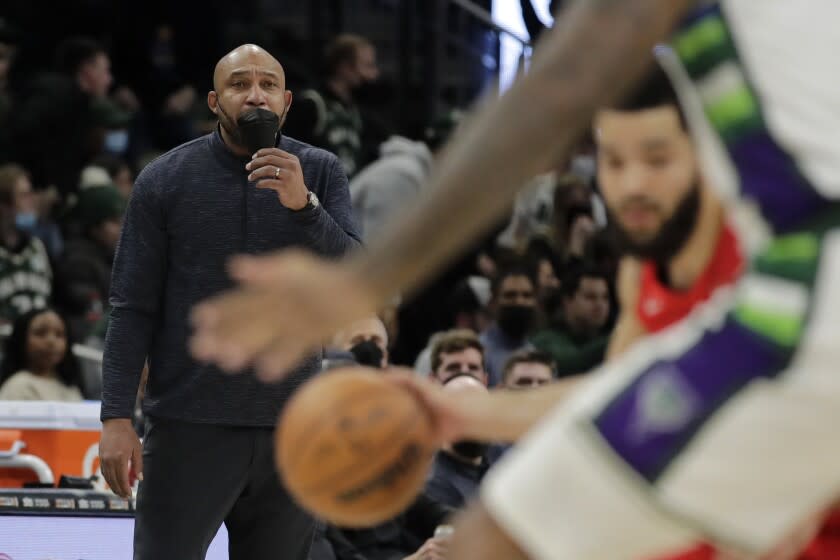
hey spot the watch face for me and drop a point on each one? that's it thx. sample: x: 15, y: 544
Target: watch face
x: 313, y: 199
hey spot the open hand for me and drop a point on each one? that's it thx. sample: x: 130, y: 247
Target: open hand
x: 287, y: 304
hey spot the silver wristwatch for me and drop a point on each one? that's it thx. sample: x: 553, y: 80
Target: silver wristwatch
x: 312, y: 201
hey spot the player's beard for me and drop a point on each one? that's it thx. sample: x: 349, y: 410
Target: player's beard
x: 671, y: 237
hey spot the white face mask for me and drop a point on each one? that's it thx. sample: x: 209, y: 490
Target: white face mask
x: 116, y: 141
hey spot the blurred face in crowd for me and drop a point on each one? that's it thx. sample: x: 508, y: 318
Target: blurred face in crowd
x: 365, y: 69
x: 365, y: 338
x: 525, y: 375
x: 247, y: 78
x: 588, y: 309
x: 7, y: 51
x: 516, y: 306
x: 469, y: 361
x: 46, y: 342
x: 649, y: 178
x: 124, y: 180
x: 108, y: 234
x: 94, y: 76
x: 24, y: 196
x: 546, y: 278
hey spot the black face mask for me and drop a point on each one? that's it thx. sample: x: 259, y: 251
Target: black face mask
x: 257, y: 129
x: 469, y: 449
x: 368, y: 353
x: 516, y: 320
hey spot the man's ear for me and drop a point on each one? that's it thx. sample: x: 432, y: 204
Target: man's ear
x: 213, y: 102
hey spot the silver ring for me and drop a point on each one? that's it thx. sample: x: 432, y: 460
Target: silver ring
x: 277, y: 173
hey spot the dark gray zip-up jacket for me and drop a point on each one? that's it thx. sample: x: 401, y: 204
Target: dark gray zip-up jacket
x: 192, y: 209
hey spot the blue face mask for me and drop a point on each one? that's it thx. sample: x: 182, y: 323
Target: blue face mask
x: 116, y: 141
x: 26, y: 221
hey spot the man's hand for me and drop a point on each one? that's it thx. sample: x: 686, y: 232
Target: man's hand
x: 448, y: 412
x: 432, y: 549
x: 279, y: 171
x: 288, y: 304
x: 120, y: 455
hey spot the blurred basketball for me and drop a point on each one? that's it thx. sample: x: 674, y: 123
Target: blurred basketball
x: 353, y: 448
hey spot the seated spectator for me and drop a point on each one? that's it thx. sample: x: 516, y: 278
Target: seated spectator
x: 119, y: 172
x: 364, y: 342
x: 574, y: 217
x: 576, y: 338
x: 382, y: 189
x: 528, y: 368
x: 84, y: 271
x: 458, y: 352
x: 467, y: 306
x: 33, y: 210
x: 459, y: 466
x: 68, y: 115
x: 514, y: 306
x: 25, y: 275
x: 38, y: 363
x: 329, y: 116
x: 400, y: 538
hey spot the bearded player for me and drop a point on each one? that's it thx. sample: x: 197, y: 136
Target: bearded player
x: 722, y: 427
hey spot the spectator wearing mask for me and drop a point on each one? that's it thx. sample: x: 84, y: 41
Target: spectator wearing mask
x: 576, y: 338
x: 329, y: 117
x: 364, y: 343
x: 68, y: 115
x: 191, y: 210
x: 34, y: 209
x: 458, y: 352
x: 84, y: 271
x: 38, y: 362
x: 459, y: 466
x: 514, y: 306
x: 25, y: 274
x: 527, y: 369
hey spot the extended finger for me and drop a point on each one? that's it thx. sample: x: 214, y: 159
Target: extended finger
x: 276, y: 161
x: 279, y: 357
x: 268, y: 270
x: 108, y: 473
x: 248, y: 320
x: 273, y: 152
x: 269, y: 172
x: 119, y: 476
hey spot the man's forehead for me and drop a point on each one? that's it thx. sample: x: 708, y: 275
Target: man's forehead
x: 466, y: 353
x: 247, y: 59
x: 657, y: 124
x: 531, y: 368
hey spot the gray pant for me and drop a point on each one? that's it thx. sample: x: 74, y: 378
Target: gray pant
x: 197, y: 477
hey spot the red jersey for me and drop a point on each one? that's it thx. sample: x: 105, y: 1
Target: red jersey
x: 659, y: 306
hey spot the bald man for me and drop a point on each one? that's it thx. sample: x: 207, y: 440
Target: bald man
x: 206, y: 456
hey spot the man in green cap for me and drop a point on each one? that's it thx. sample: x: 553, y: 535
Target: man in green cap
x: 84, y: 270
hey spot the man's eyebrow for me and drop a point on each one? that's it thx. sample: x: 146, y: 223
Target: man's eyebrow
x: 269, y: 73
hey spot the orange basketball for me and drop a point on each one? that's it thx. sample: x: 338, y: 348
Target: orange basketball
x: 353, y: 448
